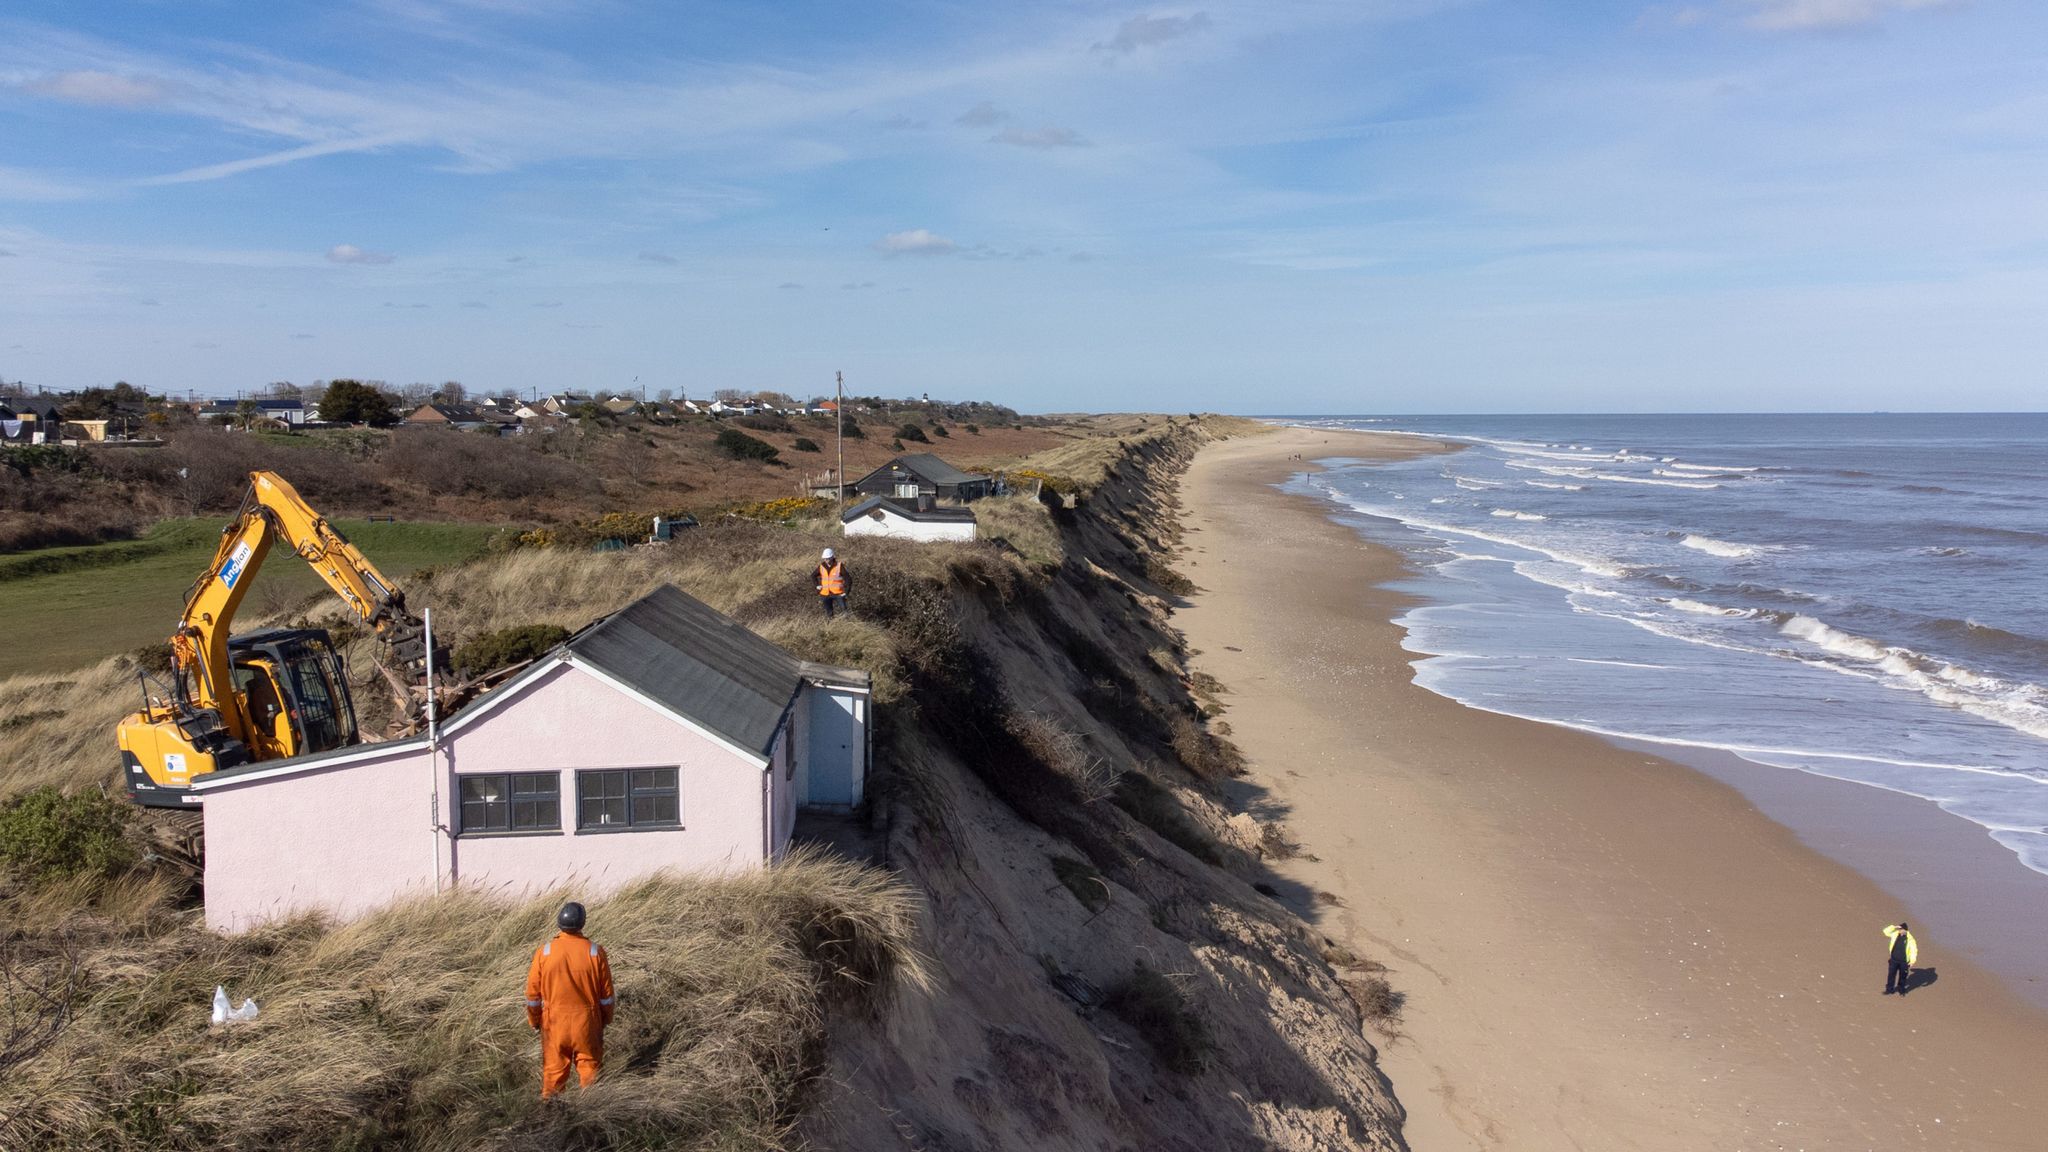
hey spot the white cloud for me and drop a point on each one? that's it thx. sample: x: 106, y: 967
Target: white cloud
x: 1039, y: 138
x: 1824, y: 15
x: 916, y: 242
x: 272, y: 160
x: 350, y: 254
x: 1143, y: 31
x: 982, y: 115
x: 105, y: 89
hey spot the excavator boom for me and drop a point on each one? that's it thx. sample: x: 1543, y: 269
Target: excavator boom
x: 281, y: 693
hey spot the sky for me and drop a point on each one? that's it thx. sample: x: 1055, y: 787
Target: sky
x: 1323, y: 206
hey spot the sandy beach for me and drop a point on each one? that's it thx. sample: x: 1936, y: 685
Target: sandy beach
x: 1600, y: 948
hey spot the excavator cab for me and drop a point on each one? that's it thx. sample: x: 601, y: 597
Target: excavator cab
x: 294, y: 689
x: 292, y: 686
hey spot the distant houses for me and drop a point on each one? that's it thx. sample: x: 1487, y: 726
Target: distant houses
x: 288, y: 411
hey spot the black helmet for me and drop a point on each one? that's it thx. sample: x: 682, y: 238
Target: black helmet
x: 570, y: 918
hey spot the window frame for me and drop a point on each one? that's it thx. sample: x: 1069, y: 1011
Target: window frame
x: 673, y: 790
x: 513, y: 796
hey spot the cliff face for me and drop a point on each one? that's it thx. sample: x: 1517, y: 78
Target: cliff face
x: 1108, y: 976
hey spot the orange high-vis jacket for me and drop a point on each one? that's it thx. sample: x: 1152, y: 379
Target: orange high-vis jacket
x: 831, y: 579
x: 569, y: 998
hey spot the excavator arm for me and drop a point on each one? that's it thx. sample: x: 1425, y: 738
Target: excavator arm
x: 274, y: 512
x: 280, y: 692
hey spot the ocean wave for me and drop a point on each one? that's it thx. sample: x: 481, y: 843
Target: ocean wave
x: 1471, y: 485
x: 2018, y: 705
x: 1556, y: 487
x: 1712, y: 467
x: 1699, y: 609
x: 1511, y: 514
x: 1648, y: 480
x: 1722, y: 548
x: 1946, y: 551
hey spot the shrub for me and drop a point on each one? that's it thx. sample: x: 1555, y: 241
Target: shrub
x: 740, y: 446
x: 1065, y: 752
x: 1376, y: 999
x: 46, y: 835
x: 494, y: 650
x: 851, y: 430
x: 1083, y: 881
x: 913, y: 433
x: 1204, y: 753
x: 806, y: 444
x: 478, y: 465
x: 940, y: 430
x: 354, y: 402
x: 1150, y: 1003
x: 974, y: 429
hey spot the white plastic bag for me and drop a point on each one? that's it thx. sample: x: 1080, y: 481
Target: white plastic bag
x: 220, y: 1004
x: 244, y: 1014
x: 222, y: 1014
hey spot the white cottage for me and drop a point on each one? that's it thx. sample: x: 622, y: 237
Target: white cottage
x: 882, y: 516
x: 663, y: 736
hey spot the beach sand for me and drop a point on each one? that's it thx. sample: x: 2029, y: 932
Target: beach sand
x: 1600, y: 948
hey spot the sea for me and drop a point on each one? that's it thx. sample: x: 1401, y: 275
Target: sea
x: 1863, y: 597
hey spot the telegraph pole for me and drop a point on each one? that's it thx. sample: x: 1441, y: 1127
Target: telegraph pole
x: 839, y: 426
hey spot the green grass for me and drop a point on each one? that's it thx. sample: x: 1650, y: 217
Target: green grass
x: 68, y: 607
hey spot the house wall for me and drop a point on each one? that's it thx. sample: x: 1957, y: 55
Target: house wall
x: 353, y: 837
x: 569, y: 719
x: 904, y: 528
x: 344, y: 840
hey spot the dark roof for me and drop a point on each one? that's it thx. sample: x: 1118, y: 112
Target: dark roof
x: 909, y: 512
x: 928, y: 467
x: 696, y: 661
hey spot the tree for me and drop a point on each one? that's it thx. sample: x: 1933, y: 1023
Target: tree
x: 414, y: 395
x: 914, y: 433
x: 451, y: 392
x: 247, y: 414
x: 284, y: 390
x: 354, y: 402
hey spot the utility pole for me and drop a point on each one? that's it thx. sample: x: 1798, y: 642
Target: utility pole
x: 839, y: 426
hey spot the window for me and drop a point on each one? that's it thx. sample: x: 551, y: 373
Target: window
x: 515, y: 802
x: 906, y: 490
x: 628, y: 798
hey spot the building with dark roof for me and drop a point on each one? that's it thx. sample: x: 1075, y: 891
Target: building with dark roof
x: 887, y: 516
x: 921, y: 474
x: 663, y: 736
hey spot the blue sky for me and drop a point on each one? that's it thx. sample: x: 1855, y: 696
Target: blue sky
x: 1406, y: 205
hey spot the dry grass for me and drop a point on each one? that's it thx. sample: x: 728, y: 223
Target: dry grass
x: 1063, y: 750
x: 1025, y: 525
x: 406, y: 1028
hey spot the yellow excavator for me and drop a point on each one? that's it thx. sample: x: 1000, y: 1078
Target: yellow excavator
x: 271, y: 694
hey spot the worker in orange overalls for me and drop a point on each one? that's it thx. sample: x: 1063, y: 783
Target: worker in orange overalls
x: 831, y: 582
x: 569, y: 999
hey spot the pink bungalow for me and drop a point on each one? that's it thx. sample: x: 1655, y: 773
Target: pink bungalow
x: 663, y: 736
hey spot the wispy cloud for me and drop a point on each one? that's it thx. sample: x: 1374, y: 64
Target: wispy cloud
x: 982, y: 115
x: 1143, y: 31
x: 16, y: 184
x: 104, y: 89
x: 273, y: 159
x: 1048, y: 137
x: 350, y: 254
x: 915, y: 242
x: 1829, y: 15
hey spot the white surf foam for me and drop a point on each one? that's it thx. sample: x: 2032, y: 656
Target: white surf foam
x: 1648, y: 480
x: 1557, y: 487
x: 1722, y: 548
x: 1511, y: 514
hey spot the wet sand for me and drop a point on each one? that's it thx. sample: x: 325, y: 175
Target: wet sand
x: 1601, y: 948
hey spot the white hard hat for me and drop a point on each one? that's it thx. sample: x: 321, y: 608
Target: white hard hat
x: 825, y: 555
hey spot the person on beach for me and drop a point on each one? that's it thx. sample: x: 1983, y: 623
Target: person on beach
x: 831, y: 582
x: 1904, y: 952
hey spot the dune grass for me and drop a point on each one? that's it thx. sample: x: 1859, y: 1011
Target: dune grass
x: 406, y: 1028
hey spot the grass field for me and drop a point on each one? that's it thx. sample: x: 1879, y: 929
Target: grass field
x: 66, y: 607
